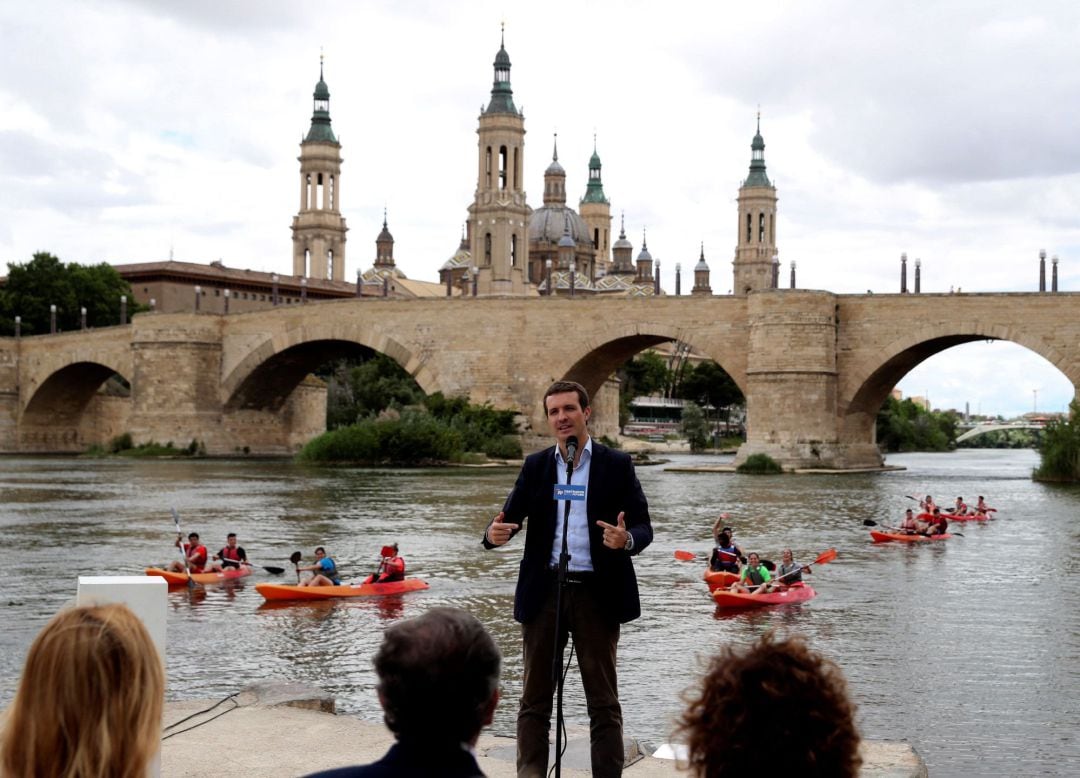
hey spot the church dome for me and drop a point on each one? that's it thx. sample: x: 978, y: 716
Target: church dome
x: 549, y: 224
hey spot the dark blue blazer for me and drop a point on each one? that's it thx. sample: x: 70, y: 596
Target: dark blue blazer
x: 613, y: 487
x: 418, y: 760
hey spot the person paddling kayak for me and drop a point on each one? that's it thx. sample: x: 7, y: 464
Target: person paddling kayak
x: 909, y: 526
x: 789, y: 573
x: 231, y: 555
x: 960, y: 509
x: 753, y: 578
x: 937, y: 525
x: 391, y: 568
x: 324, y: 571
x: 195, y: 553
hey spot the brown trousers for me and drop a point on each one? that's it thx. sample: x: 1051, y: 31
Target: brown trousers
x: 596, y: 639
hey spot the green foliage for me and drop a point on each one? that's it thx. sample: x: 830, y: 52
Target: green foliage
x: 709, y: 384
x: 695, y: 427
x: 482, y: 428
x: 356, y: 391
x: 414, y: 438
x: 759, y: 464
x: 43, y: 281
x: 1059, y: 449
x: 905, y: 426
x: 121, y: 443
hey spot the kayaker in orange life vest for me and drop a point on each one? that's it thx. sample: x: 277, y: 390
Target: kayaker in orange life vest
x: 909, y: 526
x: 231, y: 555
x: 391, y: 568
x: 960, y: 509
x: 195, y: 553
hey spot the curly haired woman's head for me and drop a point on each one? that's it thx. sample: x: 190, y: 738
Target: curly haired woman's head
x: 90, y: 699
x: 776, y: 706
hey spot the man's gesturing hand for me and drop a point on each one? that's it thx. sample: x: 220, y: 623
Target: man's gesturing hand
x: 615, y: 536
x: 499, y: 532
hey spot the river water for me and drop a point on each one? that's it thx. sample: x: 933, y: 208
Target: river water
x: 969, y: 649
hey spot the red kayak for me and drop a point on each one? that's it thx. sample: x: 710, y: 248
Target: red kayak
x: 272, y: 591
x: 181, y: 579
x: 900, y: 537
x: 965, y: 517
x: 790, y: 596
x: 719, y: 579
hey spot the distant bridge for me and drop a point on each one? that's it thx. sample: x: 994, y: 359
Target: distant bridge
x: 980, y: 429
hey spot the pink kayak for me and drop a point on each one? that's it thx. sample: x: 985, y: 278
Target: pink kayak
x: 900, y: 537
x: 790, y: 596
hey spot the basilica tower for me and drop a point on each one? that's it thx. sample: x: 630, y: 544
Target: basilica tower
x: 499, y: 216
x: 755, y: 252
x: 596, y: 211
x: 319, y: 228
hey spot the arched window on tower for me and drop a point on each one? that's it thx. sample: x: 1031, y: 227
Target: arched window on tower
x: 772, y: 229
x: 320, y: 194
x: 487, y: 167
x: 517, y: 170
x: 605, y: 239
x: 330, y: 192
x: 513, y: 250
x: 330, y: 263
x: 307, y: 262
x: 307, y: 192
x: 761, y: 228
x: 487, y: 248
x: 503, y: 161
x: 596, y: 238
x: 749, y: 228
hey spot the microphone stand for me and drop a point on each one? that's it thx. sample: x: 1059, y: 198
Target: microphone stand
x: 556, y: 662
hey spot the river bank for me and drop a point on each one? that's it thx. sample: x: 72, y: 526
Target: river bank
x: 284, y: 729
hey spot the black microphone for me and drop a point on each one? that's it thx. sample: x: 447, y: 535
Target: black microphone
x: 571, y: 451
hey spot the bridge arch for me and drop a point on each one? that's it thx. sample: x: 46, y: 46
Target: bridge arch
x: 270, y: 372
x: 872, y: 386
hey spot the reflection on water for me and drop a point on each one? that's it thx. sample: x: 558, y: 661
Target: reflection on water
x: 941, y: 644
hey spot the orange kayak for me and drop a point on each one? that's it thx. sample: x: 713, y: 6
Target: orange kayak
x: 273, y: 591
x: 790, y: 596
x: 965, y: 517
x: 719, y: 579
x: 885, y: 537
x: 181, y: 579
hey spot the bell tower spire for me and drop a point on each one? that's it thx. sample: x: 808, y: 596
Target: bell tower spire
x: 756, y: 253
x: 499, y: 215
x: 596, y: 211
x: 319, y: 228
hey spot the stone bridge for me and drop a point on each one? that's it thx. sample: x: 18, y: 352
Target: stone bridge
x: 815, y: 366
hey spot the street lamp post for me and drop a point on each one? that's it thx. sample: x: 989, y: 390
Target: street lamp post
x: 18, y: 326
x: 274, y: 288
x: 123, y: 309
x: 82, y: 318
x: 303, y: 290
x: 573, y: 277
x: 547, y: 265
x: 52, y: 319
x: 656, y: 281
x: 475, y: 273
x: 1053, y: 276
x: 793, y: 274
x: 227, y: 294
x: 198, y: 295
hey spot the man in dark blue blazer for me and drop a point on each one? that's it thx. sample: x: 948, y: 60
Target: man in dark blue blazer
x: 438, y: 686
x: 603, y: 531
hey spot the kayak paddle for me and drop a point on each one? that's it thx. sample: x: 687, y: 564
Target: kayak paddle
x: 872, y: 523
x: 687, y: 556
x: 180, y: 547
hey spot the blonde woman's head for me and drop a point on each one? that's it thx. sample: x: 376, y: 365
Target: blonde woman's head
x: 90, y: 699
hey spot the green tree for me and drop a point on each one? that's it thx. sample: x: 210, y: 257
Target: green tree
x: 644, y: 376
x: 904, y: 426
x: 1059, y: 449
x: 43, y: 281
x: 695, y: 427
x: 357, y: 391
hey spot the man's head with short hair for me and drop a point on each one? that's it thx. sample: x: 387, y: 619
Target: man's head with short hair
x: 438, y: 676
x: 560, y: 387
x: 193, y: 536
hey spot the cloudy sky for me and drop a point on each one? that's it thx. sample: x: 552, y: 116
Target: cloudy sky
x: 129, y: 130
